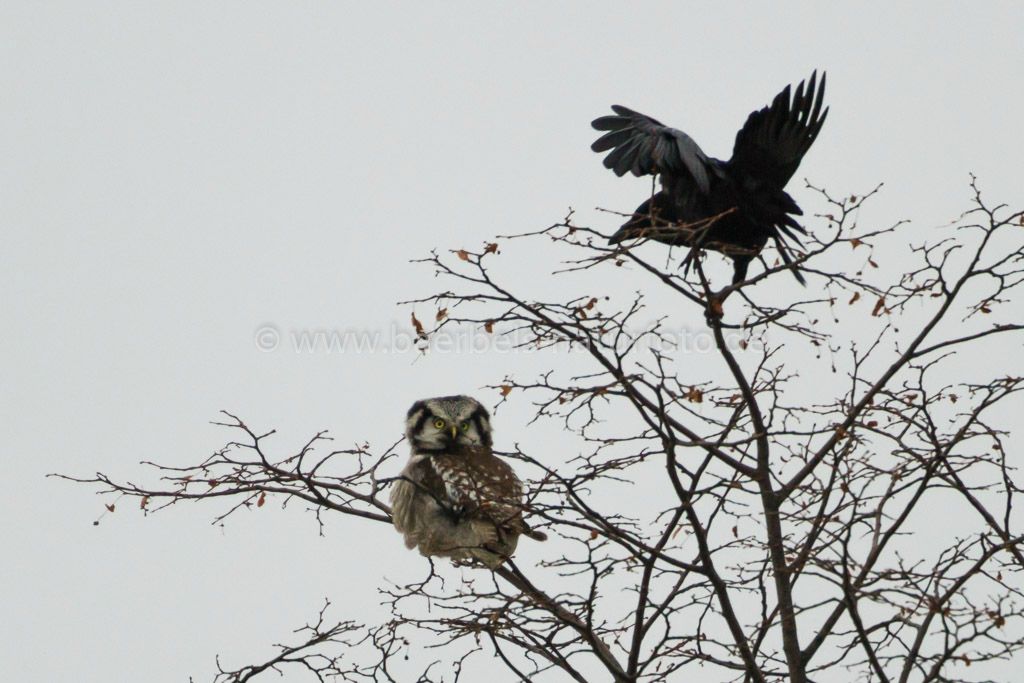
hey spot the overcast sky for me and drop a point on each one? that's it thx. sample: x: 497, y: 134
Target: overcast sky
x: 175, y: 176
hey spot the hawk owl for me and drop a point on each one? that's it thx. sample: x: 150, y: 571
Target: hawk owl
x: 455, y: 498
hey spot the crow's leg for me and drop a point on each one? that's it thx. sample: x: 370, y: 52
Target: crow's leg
x: 740, y: 264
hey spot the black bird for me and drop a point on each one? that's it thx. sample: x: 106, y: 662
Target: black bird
x: 732, y: 206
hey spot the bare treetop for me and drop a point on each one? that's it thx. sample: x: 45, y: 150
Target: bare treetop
x: 788, y: 539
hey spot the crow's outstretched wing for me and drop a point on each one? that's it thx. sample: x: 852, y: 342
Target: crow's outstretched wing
x: 774, y: 139
x: 641, y: 145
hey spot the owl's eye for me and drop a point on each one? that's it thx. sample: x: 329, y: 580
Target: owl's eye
x: 439, y: 424
x: 465, y: 426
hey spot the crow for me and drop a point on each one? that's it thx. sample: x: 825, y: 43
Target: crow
x: 733, y: 206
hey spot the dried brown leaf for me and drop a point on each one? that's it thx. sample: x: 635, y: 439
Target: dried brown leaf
x: 418, y: 326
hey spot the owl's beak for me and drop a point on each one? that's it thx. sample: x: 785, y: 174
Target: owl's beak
x: 455, y: 432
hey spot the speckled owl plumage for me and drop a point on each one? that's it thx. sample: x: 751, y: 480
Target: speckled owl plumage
x: 455, y: 498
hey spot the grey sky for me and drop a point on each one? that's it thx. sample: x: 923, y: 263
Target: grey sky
x: 175, y: 175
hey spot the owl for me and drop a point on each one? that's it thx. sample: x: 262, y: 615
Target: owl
x: 455, y: 498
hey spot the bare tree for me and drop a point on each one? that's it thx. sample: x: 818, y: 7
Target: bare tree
x: 791, y: 538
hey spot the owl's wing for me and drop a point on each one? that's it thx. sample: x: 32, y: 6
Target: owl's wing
x: 503, y: 503
x: 483, y: 486
x: 505, y: 506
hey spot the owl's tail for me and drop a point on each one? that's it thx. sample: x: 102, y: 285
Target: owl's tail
x: 525, y: 530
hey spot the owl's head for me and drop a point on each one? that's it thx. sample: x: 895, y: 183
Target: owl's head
x: 436, y: 425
